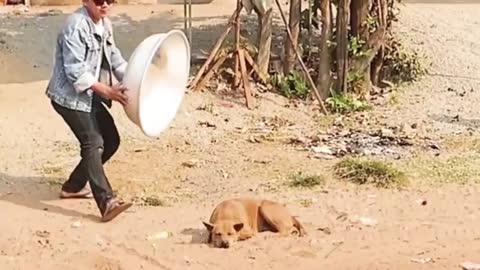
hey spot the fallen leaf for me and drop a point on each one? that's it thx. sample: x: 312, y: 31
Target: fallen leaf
x: 252, y: 139
x: 159, y: 236
x: 326, y: 230
x: 470, y: 266
x: 191, y: 163
x: 206, y: 124
x: 368, y: 221
x: 422, y: 260
x: 76, y: 224
x: 43, y: 234
x: 322, y: 150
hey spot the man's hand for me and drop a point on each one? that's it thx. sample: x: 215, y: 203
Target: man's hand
x: 114, y: 93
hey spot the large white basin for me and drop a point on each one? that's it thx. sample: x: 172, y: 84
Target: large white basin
x: 157, y: 76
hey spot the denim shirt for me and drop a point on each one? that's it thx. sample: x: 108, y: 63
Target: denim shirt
x: 78, y: 48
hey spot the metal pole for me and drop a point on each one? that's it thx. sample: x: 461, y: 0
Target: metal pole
x: 190, y: 23
x: 185, y: 15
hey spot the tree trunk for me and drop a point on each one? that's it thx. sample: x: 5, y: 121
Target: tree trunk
x: 323, y: 81
x: 377, y: 63
x: 359, y: 9
x: 264, y: 41
x: 294, y: 25
x: 343, y: 15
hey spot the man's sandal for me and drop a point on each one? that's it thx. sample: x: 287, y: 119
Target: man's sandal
x: 114, y: 208
x: 84, y: 193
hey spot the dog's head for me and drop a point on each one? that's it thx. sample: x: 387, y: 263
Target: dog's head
x: 223, y: 233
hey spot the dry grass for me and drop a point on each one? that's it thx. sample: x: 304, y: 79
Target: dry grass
x: 378, y: 173
x: 306, y: 181
x: 458, y: 162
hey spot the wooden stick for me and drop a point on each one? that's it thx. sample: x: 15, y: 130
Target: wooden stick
x: 246, y: 84
x: 237, y: 44
x: 255, y: 67
x: 214, y: 68
x: 305, y: 70
x: 214, y: 51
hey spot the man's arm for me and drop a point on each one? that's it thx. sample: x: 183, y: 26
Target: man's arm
x: 76, y: 69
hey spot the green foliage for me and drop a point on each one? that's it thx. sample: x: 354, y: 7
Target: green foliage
x: 346, y: 103
x: 355, y: 46
x: 306, y: 181
x: 291, y: 86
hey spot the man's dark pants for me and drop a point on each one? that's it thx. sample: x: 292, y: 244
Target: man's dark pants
x: 99, y: 140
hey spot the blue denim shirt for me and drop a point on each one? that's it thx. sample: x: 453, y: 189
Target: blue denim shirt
x: 78, y: 48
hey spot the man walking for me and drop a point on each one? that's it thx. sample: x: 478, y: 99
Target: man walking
x: 86, y: 59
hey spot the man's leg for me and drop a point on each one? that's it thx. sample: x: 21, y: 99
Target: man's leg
x: 108, y: 129
x: 111, y: 142
x: 75, y: 187
x: 86, y: 130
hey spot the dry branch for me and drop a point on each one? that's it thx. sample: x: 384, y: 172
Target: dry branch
x: 214, y: 68
x: 237, y: 57
x: 215, y: 49
x: 255, y: 68
x: 246, y: 83
x: 240, y: 76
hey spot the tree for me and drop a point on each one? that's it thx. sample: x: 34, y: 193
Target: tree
x: 359, y: 31
x: 264, y: 41
x: 324, y: 79
x: 294, y: 25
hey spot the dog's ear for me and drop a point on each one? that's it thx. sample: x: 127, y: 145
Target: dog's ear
x: 208, y: 226
x: 238, y: 226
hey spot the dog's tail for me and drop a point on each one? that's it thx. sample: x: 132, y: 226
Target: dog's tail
x: 299, y: 226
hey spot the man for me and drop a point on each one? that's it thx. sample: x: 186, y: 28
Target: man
x: 86, y: 60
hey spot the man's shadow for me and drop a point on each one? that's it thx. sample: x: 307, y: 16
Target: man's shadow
x: 33, y: 192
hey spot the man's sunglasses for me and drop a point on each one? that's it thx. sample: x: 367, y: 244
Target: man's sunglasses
x: 100, y: 2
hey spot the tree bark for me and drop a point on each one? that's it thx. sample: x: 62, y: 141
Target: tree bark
x: 323, y: 80
x: 264, y: 41
x: 294, y: 26
x: 343, y: 15
x: 377, y: 63
x: 359, y: 28
x: 377, y: 40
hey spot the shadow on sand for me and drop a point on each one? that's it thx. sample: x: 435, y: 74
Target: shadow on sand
x: 35, y: 193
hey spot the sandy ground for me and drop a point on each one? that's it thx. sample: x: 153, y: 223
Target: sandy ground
x: 37, y: 151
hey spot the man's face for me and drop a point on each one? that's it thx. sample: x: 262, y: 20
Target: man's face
x: 98, y: 8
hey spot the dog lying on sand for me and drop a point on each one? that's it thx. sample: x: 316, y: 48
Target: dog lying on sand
x: 241, y: 218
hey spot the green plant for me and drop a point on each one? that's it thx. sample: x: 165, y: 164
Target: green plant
x: 346, y: 103
x: 291, y: 86
x: 355, y: 47
x: 306, y: 181
x: 372, y: 23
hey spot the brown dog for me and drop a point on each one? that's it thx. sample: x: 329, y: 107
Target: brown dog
x: 239, y: 219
